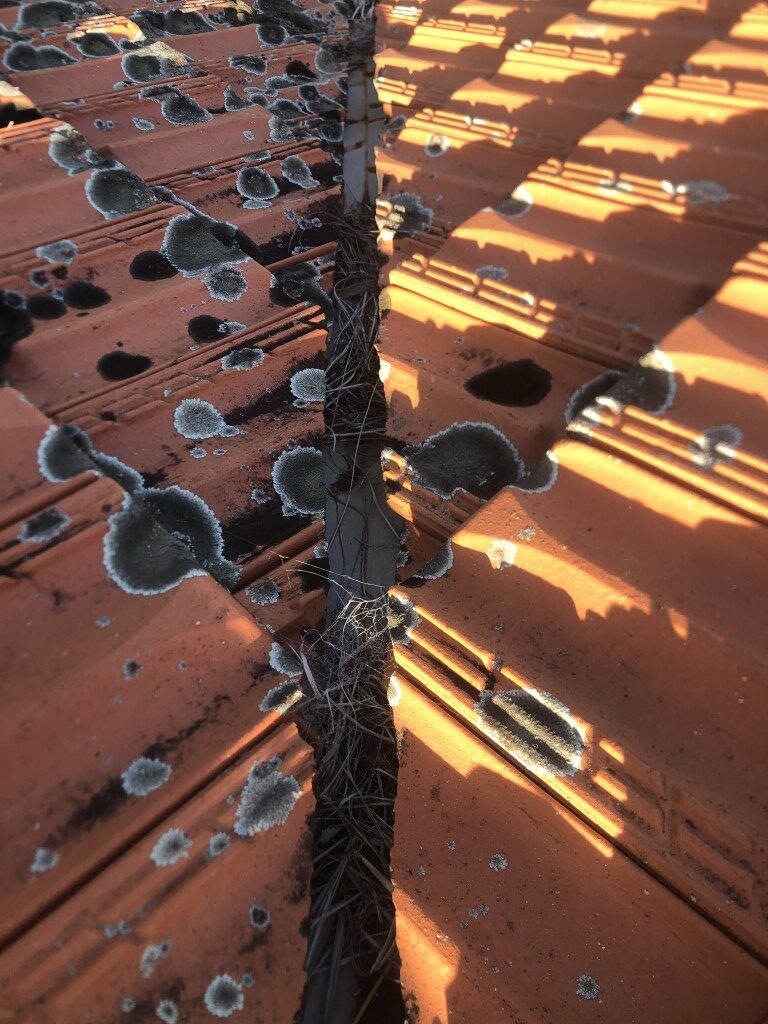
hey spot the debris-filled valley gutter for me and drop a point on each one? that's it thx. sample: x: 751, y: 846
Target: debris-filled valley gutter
x: 352, y: 962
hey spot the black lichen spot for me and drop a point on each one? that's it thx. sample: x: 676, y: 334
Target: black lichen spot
x: 85, y: 295
x: 194, y: 244
x: 26, y: 57
x: 649, y: 384
x: 271, y: 35
x: 184, y: 23
x: 117, y: 192
x: 317, y: 102
x: 206, y: 328
x: 48, y: 13
x: 475, y: 457
x: 155, y: 61
x: 176, y: 108
x: 232, y: 101
x: 46, y: 307
x: 250, y: 62
x: 520, y: 383
x: 15, y: 322
x: 68, y: 148
x: 534, y: 727
x: 151, y: 266
x: 331, y: 59
x: 300, y: 71
x: 586, y: 395
x: 258, y: 916
x: 39, y: 278
x: 330, y: 130
x: 160, y: 538
x: 121, y: 365
x: 97, y: 44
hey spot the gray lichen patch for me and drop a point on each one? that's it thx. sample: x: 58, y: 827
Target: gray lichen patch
x: 155, y: 61
x: 407, y: 215
x: 281, y: 697
x: 498, y: 862
x: 282, y: 659
x: 197, y: 419
x: 224, y: 996
x: 298, y: 172
x: 263, y: 592
x: 534, y: 727
x: 172, y: 846
x: 695, y: 193
x: 45, y: 859
x: 226, y: 283
x: 587, y: 987
x: 193, y: 244
x: 650, y: 384
x: 715, y: 444
x: 117, y: 192
x: 95, y: 43
x: 63, y: 251
x: 297, y: 477
x: 160, y: 538
x: 152, y: 956
x: 177, y: 108
x: 44, y: 526
x: 309, y: 385
x: 217, y: 844
x: 167, y: 1011
x: 402, y: 619
x: 256, y: 185
x: 475, y: 457
x: 438, y: 565
x: 65, y: 452
x: 267, y: 799
x: 68, y: 149
x: 253, y: 63
x: 243, y: 359
x: 540, y: 476
x: 145, y: 775
x: 492, y: 273
x: 22, y: 56
x: 143, y: 124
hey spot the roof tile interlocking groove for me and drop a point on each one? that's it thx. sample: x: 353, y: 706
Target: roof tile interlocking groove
x: 585, y: 253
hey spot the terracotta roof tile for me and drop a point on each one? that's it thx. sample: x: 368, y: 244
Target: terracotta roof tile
x: 509, y: 906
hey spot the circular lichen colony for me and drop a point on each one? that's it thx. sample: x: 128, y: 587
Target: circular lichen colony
x: 226, y: 283
x: 172, y: 846
x: 243, y: 359
x: 475, y: 457
x: 267, y: 799
x: 223, y: 997
x: 309, y: 385
x: 297, y: 477
x: 197, y: 419
x: 256, y: 185
x: 145, y: 775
